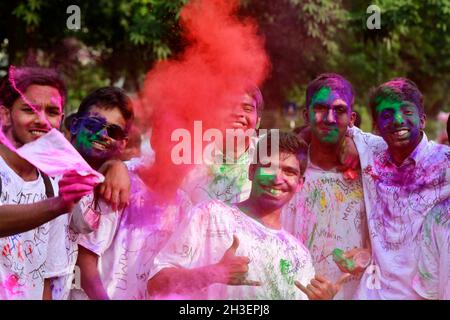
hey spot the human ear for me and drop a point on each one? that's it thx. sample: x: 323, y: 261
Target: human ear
x: 5, y: 116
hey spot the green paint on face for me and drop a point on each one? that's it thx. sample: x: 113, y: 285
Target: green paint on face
x: 83, y: 140
x: 324, y: 96
x: 321, y: 96
x: 265, y: 177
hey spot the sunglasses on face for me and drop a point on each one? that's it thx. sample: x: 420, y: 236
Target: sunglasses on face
x: 95, y: 124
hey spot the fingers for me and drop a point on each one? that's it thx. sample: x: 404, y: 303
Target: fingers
x: 252, y: 283
x: 74, y: 177
x: 232, y: 249
x: 114, y: 199
x: 311, y: 295
x: 123, y: 199
x: 343, y: 279
x: 106, y: 195
x: 75, y: 188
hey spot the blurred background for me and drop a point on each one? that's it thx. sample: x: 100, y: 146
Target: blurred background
x: 120, y: 40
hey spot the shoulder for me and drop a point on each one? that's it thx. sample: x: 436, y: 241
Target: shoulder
x: 438, y: 152
x: 212, y: 209
x: 364, y: 140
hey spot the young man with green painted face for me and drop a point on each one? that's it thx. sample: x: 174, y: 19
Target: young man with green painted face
x: 404, y: 177
x: 329, y: 212
x: 240, y: 251
x: 115, y: 258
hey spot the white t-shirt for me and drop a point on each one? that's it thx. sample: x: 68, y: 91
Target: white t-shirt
x: 397, y: 201
x: 227, y: 181
x: 328, y: 213
x: 277, y: 258
x: 127, y: 242
x: 30, y: 257
x: 432, y: 280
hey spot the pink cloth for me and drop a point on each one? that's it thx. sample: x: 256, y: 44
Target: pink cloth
x: 54, y: 155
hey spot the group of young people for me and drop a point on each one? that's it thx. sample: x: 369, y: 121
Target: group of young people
x: 335, y: 213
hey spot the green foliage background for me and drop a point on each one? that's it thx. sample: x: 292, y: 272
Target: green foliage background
x: 120, y: 40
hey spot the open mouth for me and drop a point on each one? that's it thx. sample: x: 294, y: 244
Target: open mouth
x: 100, y: 145
x: 38, y: 133
x: 275, y: 192
x: 402, y: 133
x: 238, y: 124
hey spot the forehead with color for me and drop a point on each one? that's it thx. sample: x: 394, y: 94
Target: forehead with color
x: 392, y: 103
x: 111, y: 115
x: 42, y: 96
x: 281, y: 159
x: 328, y: 96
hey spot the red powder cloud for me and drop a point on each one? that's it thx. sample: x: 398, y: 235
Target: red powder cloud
x: 224, y: 56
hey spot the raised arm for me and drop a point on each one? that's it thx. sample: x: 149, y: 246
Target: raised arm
x: 20, y: 218
x: 231, y: 270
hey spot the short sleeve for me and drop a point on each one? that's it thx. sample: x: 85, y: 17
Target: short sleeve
x: 183, y: 248
x: 57, y: 263
x: 101, y: 239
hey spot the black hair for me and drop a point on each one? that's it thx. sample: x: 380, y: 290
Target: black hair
x: 333, y: 81
x: 288, y: 142
x: 256, y: 94
x: 108, y: 98
x: 24, y: 77
x: 399, y: 89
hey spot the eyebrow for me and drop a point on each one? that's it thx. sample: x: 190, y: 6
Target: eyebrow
x: 293, y: 169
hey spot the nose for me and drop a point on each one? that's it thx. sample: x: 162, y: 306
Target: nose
x: 278, y: 177
x: 398, y: 118
x: 331, y: 116
x: 41, y: 120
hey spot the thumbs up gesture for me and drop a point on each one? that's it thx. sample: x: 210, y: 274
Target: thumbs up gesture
x: 321, y: 288
x: 232, y: 269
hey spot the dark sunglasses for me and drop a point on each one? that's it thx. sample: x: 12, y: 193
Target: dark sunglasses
x: 97, y: 124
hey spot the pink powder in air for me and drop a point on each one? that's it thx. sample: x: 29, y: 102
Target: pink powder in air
x: 223, y: 58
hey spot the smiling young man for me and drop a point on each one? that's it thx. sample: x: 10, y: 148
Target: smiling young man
x: 99, y: 132
x: 32, y: 101
x: 227, y: 179
x: 115, y: 259
x: 240, y: 251
x: 404, y: 177
x: 329, y: 211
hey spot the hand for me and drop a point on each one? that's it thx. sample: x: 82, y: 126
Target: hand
x: 232, y: 269
x: 72, y: 187
x: 348, y: 158
x: 321, y: 288
x: 115, y: 190
x: 360, y: 257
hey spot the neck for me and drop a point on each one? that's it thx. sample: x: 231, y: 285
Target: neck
x: 399, y: 155
x: 325, y: 156
x: 22, y: 167
x: 267, y: 217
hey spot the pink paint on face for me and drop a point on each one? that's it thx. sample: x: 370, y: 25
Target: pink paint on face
x: 24, y: 98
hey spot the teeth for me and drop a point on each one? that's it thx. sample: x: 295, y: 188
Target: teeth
x: 38, y: 133
x: 401, y: 133
x: 98, y: 145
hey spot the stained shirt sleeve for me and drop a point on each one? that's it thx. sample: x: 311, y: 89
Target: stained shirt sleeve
x: 426, y: 281
x: 101, y: 239
x: 184, y: 248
